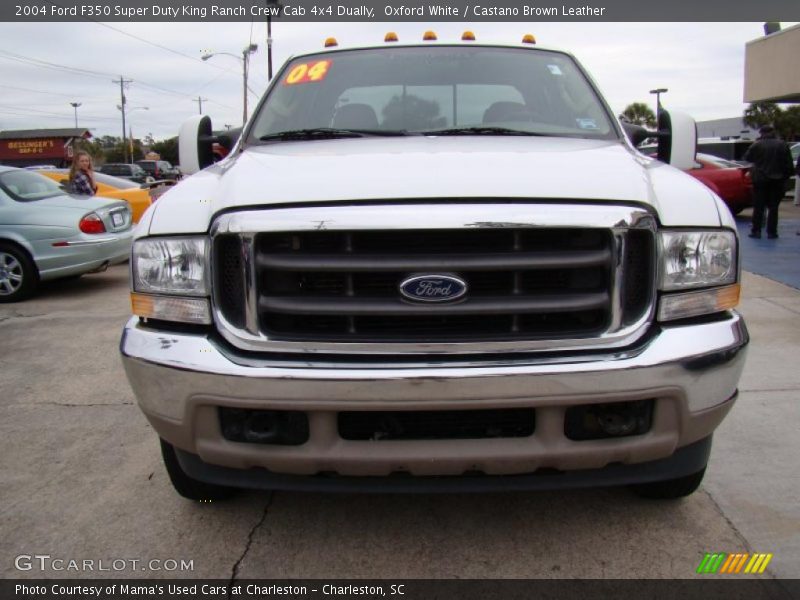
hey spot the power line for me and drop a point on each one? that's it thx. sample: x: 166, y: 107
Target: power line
x: 97, y: 74
x: 48, y: 65
x: 24, y: 89
x: 37, y: 113
x: 165, y: 48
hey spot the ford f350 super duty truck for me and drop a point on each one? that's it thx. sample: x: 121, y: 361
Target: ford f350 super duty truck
x: 435, y: 267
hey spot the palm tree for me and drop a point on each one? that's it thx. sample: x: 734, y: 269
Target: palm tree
x: 761, y: 113
x: 639, y: 113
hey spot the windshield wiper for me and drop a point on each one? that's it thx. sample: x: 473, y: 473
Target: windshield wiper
x: 329, y: 133
x: 482, y: 131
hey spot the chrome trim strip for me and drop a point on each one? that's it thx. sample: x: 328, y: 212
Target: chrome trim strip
x: 249, y: 278
x: 247, y: 224
x: 89, y: 242
x: 433, y: 216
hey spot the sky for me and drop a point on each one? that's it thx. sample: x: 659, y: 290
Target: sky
x: 46, y: 66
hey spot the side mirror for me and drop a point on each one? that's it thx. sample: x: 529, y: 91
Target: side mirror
x: 196, y: 143
x: 677, y: 139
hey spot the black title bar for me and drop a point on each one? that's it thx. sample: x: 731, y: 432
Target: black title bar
x: 398, y: 10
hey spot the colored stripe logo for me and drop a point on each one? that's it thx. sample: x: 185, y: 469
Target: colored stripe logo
x: 722, y: 563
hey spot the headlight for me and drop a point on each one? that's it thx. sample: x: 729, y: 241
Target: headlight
x: 170, y: 266
x: 170, y: 280
x: 694, y: 259
x: 697, y: 259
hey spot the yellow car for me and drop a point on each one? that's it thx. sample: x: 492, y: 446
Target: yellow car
x: 137, y: 197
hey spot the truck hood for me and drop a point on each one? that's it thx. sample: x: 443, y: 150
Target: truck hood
x: 361, y: 169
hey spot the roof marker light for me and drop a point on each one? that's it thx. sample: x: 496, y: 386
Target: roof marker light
x: 331, y: 42
x: 528, y: 39
x: 390, y: 37
x: 429, y: 36
x: 467, y: 36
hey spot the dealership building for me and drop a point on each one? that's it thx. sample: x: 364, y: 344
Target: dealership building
x: 28, y: 147
x: 771, y: 73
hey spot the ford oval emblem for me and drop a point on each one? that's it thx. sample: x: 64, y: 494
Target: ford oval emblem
x: 433, y: 288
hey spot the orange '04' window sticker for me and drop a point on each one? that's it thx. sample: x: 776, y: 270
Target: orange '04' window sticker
x: 308, y: 72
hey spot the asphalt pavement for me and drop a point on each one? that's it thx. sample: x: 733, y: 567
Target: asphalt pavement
x: 81, y: 477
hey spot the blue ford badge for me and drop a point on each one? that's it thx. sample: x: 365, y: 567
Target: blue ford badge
x: 433, y: 288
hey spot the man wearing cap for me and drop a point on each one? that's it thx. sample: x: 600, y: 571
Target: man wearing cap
x: 772, y: 166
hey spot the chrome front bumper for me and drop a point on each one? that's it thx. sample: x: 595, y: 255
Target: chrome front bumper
x: 691, y: 371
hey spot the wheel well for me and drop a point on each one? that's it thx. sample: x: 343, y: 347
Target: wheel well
x: 21, y: 248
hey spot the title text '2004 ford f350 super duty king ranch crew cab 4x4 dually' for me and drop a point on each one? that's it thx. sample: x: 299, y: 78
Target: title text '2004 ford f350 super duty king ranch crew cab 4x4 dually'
x: 435, y: 267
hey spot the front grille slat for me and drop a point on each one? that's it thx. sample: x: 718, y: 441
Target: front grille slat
x: 452, y: 262
x: 395, y: 307
x: 523, y: 284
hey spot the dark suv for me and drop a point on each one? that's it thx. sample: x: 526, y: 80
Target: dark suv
x: 126, y: 171
x: 160, y: 169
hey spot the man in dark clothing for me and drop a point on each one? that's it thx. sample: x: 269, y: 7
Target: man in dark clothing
x: 772, y: 166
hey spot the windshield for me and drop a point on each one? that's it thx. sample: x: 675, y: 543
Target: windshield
x: 26, y: 186
x: 494, y: 91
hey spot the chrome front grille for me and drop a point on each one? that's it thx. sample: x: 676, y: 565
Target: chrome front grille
x: 282, y: 283
x: 342, y: 286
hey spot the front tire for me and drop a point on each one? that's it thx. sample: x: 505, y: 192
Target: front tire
x: 19, y: 276
x: 185, y: 485
x: 671, y: 489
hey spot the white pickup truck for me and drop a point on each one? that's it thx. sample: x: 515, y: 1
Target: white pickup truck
x: 435, y: 267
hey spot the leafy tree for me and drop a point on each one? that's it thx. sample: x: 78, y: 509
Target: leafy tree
x: 168, y: 149
x: 108, y: 141
x: 789, y: 123
x: 786, y: 122
x: 117, y: 152
x: 94, y: 148
x: 639, y: 113
x: 761, y: 113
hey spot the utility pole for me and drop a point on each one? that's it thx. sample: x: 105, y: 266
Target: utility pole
x: 122, y: 82
x: 248, y: 50
x: 269, y: 46
x: 272, y: 5
x: 199, y: 101
x: 245, y: 62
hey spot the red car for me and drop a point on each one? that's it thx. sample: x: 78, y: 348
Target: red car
x: 729, y: 180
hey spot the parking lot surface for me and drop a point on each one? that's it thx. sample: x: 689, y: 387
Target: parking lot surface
x: 81, y: 478
x: 776, y: 259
